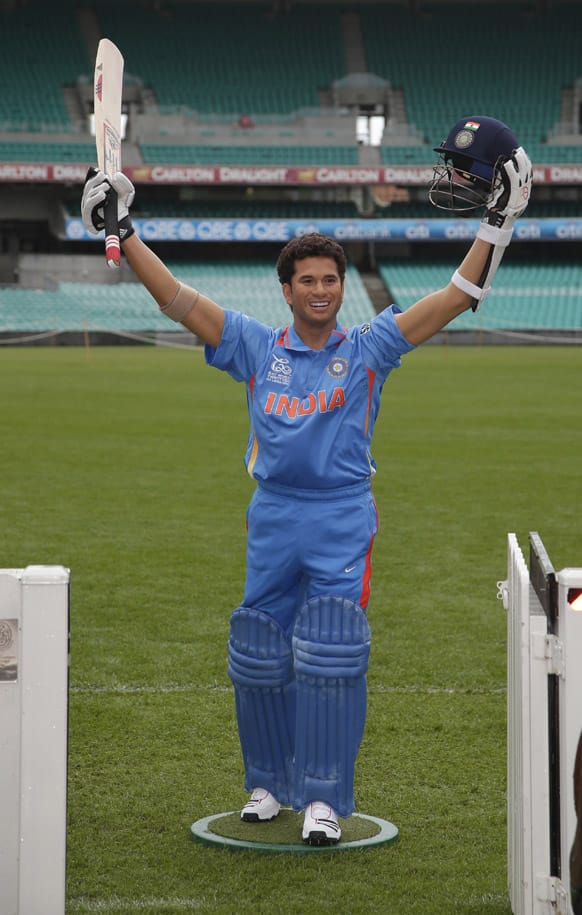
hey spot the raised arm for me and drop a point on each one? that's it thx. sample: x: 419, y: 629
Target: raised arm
x: 179, y: 302
x: 505, y: 194
x: 430, y: 314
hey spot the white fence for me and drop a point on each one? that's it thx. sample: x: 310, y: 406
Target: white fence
x: 544, y: 722
x: 34, y: 632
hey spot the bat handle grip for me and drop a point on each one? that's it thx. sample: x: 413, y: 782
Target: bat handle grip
x: 112, y: 244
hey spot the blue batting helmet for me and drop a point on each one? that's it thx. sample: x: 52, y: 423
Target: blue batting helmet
x: 478, y: 143
x: 469, y: 161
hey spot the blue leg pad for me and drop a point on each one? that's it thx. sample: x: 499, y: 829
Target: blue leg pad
x: 331, y: 647
x: 260, y: 665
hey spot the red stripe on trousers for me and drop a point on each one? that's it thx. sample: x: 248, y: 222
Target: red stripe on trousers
x: 365, y: 595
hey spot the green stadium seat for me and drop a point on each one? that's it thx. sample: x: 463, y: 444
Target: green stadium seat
x: 249, y: 155
x: 248, y: 286
x: 524, y: 296
x: 406, y: 49
x: 268, y: 64
x: 39, y: 58
x: 27, y: 151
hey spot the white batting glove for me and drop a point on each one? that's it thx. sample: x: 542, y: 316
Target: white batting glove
x: 94, y: 194
x: 508, y: 200
x: 96, y: 190
x: 511, y: 197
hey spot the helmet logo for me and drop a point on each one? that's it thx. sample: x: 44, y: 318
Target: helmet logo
x: 464, y: 139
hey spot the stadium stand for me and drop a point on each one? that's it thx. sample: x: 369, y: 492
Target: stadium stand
x: 515, y: 88
x: 249, y: 155
x: 259, y: 73
x: 527, y: 296
x: 39, y: 58
x: 273, y: 97
x: 79, y: 307
x: 251, y: 287
x: 35, y: 151
x: 267, y: 64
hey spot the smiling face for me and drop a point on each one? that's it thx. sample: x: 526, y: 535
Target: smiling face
x: 315, y: 295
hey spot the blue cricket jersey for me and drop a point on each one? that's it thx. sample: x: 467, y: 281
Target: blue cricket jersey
x: 312, y: 412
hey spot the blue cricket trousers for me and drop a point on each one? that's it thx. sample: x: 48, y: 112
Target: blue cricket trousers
x: 301, y: 545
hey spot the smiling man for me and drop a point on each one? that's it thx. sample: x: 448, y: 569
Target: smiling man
x: 300, y: 640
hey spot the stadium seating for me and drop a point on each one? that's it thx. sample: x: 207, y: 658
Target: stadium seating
x: 39, y: 58
x: 525, y: 296
x: 249, y: 155
x: 260, y: 72
x: 558, y: 154
x: 407, y: 155
x: 28, y: 151
x: 249, y: 286
x: 266, y: 63
x: 450, y: 62
x: 270, y: 65
x: 79, y: 307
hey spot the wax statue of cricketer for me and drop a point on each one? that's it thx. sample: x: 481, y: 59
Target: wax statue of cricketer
x: 299, y: 642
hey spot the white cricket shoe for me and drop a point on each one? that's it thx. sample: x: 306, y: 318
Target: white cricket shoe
x: 320, y: 826
x: 260, y: 806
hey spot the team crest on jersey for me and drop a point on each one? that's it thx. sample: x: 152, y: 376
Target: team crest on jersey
x: 338, y: 367
x: 365, y: 328
x: 280, y: 371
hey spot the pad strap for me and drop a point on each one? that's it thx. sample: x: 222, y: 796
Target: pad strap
x: 500, y: 237
x: 182, y: 304
x: 467, y: 286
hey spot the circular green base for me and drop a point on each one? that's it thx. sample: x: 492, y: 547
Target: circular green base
x: 283, y: 835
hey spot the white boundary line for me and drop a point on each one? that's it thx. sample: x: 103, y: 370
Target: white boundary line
x: 174, y: 903
x: 129, y: 689
x: 117, y: 904
x: 539, y: 336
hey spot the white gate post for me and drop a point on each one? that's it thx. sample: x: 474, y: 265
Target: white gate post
x: 34, y: 634
x: 570, y: 633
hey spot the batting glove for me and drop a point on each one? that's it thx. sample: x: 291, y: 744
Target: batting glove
x: 512, y: 196
x: 508, y: 200
x: 98, y: 187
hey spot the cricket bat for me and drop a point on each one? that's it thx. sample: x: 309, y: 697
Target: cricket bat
x: 107, y: 100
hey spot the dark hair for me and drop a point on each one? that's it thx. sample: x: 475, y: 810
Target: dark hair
x: 312, y: 245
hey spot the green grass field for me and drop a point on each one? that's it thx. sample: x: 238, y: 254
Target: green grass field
x: 125, y: 464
